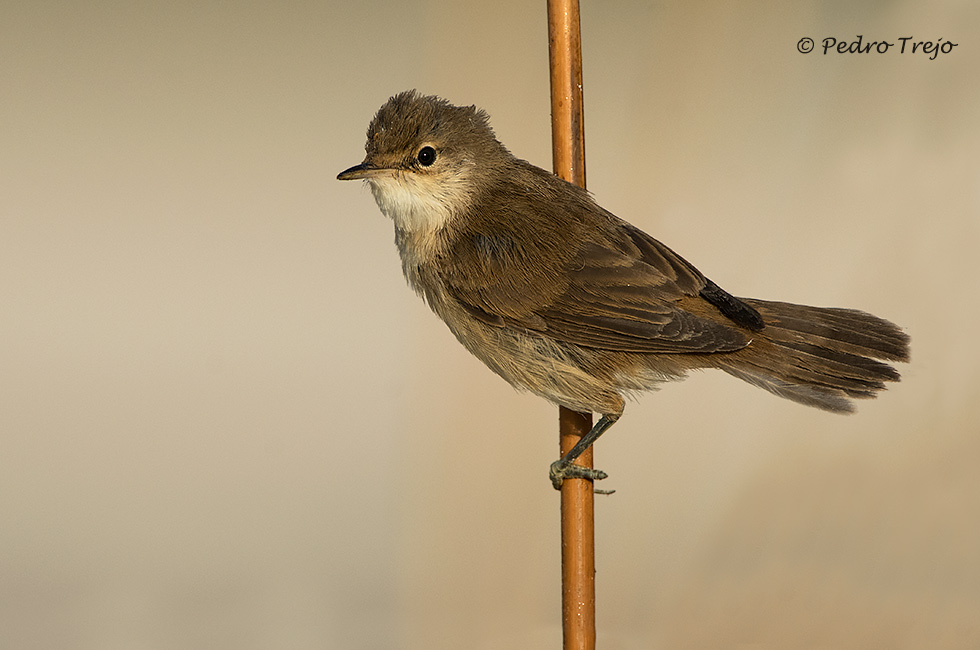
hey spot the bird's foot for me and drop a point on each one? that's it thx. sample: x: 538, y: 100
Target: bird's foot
x: 562, y: 469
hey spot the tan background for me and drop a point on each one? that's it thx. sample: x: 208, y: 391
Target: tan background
x: 226, y: 423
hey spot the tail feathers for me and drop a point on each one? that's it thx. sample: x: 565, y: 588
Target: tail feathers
x: 819, y: 356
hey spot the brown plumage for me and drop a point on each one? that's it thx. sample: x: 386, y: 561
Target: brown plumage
x: 560, y: 297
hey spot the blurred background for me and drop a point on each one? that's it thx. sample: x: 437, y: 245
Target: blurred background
x: 225, y: 422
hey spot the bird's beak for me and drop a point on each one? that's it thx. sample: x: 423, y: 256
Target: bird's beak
x: 364, y: 170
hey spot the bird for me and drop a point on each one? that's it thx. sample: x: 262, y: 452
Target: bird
x: 562, y: 298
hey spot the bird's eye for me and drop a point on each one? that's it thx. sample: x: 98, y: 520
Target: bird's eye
x: 427, y: 156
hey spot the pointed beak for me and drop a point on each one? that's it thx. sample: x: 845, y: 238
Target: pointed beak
x: 364, y: 170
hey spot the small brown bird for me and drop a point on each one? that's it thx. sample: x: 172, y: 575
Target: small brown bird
x: 562, y: 298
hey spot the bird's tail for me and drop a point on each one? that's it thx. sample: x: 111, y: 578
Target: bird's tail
x: 819, y: 356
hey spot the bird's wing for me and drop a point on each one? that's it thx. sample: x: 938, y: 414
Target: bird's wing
x: 631, y: 295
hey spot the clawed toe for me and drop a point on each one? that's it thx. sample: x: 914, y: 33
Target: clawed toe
x: 561, y: 470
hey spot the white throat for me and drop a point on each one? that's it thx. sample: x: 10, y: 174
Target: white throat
x: 419, y: 204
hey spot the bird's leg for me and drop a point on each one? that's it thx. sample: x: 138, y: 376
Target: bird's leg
x: 565, y: 468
